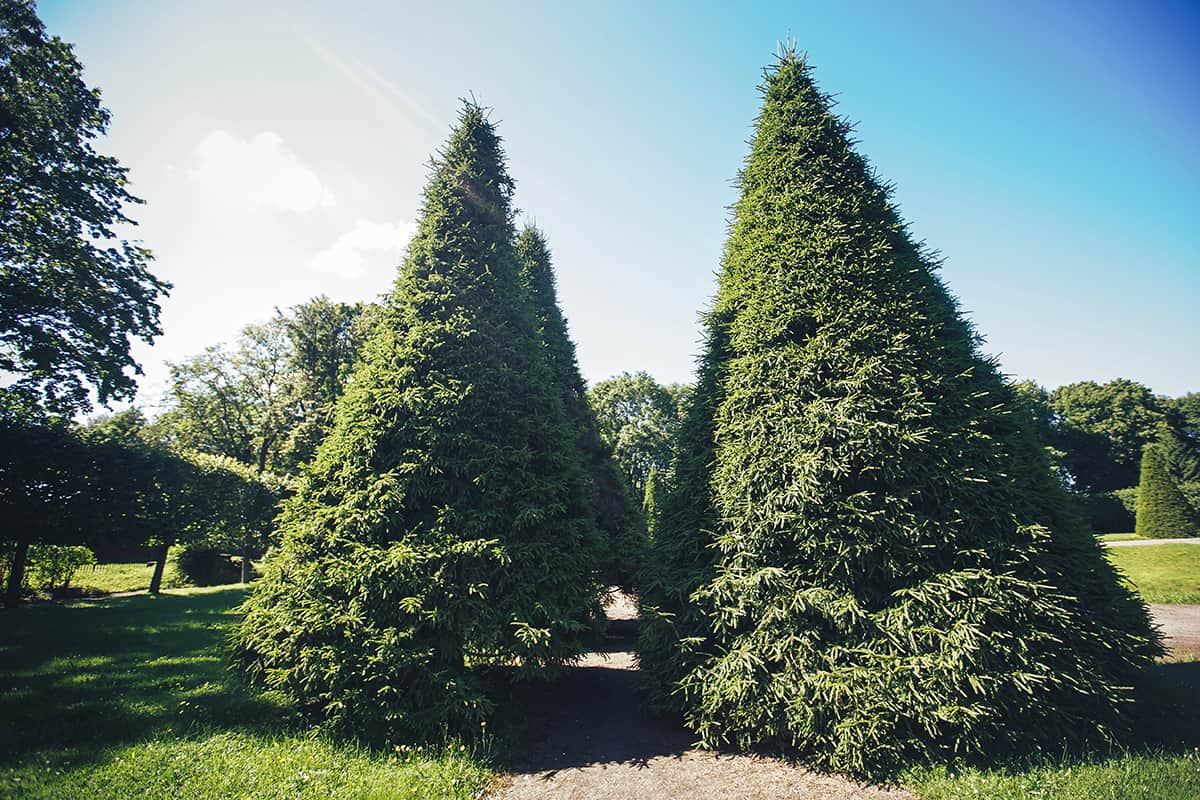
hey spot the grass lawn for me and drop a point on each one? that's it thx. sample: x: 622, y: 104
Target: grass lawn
x: 1166, y: 767
x: 1130, y: 777
x: 113, y: 578
x: 130, y: 698
x: 1117, y: 537
x: 1161, y: 573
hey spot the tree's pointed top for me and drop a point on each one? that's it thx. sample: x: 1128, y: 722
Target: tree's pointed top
x: 472, y: 166
x: 534, y: 254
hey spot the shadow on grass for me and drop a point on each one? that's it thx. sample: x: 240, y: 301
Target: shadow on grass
x: 88, y: 676
x: 1169, y: 707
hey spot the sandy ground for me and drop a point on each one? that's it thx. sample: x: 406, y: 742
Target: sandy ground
x: 1140, y: 542
x: 591, y: 738
x: 1181, y: 628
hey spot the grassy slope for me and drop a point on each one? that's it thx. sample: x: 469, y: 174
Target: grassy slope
x: 1116, y: 537
x: 1161, y: 573
x: 130, y: 698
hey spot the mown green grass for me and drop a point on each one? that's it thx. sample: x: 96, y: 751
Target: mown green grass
x: 114, y: 578
x: 1131, y: 777
x: 1161, y: 760
x: 1117, y: 537
x: 130, y: 698
x: 1161, y: 573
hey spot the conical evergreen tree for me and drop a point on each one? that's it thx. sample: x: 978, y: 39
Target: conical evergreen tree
x: 863, y: 555
x: 1163, y: 511
x: 650, y: 500
x: 443, y: 527
x: 614, y: 512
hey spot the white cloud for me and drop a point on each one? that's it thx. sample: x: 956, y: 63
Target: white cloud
x: 259, y: 172
x: 345, y: 256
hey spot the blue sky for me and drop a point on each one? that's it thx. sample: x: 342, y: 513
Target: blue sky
x: 1051, y: 154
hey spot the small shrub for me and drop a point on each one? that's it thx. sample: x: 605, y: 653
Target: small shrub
x: 1105, y: 512
x: 52, y: 566
x: 1128, y: 498
x: 207, y: 566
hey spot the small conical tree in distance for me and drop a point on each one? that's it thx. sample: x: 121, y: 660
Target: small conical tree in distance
x: 650, y: 500
x: 442, y: 534
x: 1162, y: 510
x: 615, y: 515
x: 863, y: 556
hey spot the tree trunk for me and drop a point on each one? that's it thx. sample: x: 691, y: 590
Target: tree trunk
x: 160, y: 564
x: 245, y: 557
x: 16, y: 574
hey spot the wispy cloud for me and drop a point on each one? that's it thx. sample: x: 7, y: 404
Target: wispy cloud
x: 256, y: 173
x: 345, y: 257
x: 381, y: 90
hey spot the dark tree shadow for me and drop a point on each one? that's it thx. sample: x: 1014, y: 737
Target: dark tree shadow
x: 594, y: 713
x: 116, y: 671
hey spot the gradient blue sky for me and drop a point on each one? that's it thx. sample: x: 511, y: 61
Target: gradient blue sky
x: 1050, y: 152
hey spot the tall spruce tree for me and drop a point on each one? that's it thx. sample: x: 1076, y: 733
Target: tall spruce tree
x: 614, y: 511
x: 1163, y: 511
x: 442, y: 534
x: 863, y: 555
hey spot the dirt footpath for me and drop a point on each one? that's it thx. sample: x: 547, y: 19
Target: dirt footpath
x: 591, y: 738
x: 1181, y: 629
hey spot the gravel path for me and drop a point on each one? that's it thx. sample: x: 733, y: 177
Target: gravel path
x: 591, y: 738
x: 1180, y: 625
x: 1140, y: 542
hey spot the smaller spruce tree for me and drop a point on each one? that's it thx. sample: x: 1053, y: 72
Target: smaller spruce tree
x: 1163, y: 511
x: 648, y: 500
x: 441, y: 539
x: 611, y: 505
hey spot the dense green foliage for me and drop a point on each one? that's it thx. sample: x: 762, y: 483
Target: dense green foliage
x: 65, y: 485
x: 1102, y: 429
x: 614, y: 511
x: 72, y: 294
x: 1107, y: 512
x: 638, y: 420
x: 53, y: 566
x: 443, y: 533
x: 268, y: 398
x: 204, y: 565
x: 1163, y: 512
x: 1094, y: 435
x: 131, y: 698
x: 864, y: 555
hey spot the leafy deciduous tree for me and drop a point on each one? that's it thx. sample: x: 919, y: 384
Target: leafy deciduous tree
x: 72, y: 293
x: 638, y: 418
x: 1102, y: 429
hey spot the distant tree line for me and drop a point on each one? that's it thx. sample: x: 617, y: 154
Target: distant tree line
x: 1097, y: 436
x: 237, y: 424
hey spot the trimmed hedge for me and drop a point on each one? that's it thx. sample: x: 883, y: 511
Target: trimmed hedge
x: 1163, y: 511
